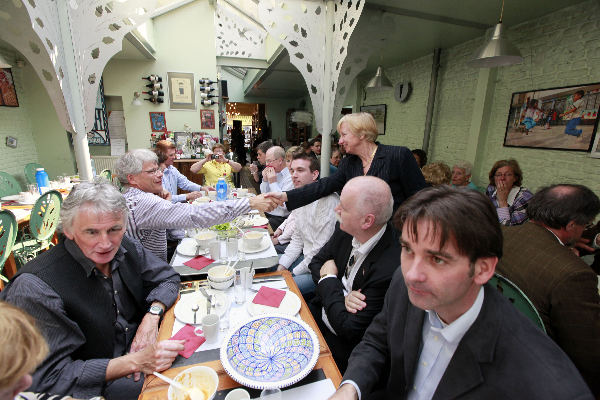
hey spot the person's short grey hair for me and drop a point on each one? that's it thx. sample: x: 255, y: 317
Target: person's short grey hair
x: 375, y: 198
x: 96, y: 197
x: 277, y: 151
x: 465, y: 166
x: 131, y: 163
x: 264, y: 146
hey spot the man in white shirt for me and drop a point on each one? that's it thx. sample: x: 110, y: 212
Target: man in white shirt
x: 172, y: 178
x: 314, y: 224
x: 354, y: 268
x: 443, y: 333
x: 276, y: 178
x: 573, y: 114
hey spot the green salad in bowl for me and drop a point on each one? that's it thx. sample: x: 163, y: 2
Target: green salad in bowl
x: 224, y: 231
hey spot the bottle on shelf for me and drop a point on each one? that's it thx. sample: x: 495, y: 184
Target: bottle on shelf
x: 206, y: 81
x: 221, y: 189
x: 154, y: 86
x: 204, y: 95
x: 155, y: 100
x: 43, y: 183
x: 155, y: 93
x: 206, y: 89
x: 153, y: 78
x: 208, y: 102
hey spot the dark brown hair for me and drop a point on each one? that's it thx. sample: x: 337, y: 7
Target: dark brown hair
x: 314, y: 162
x: 513, y: 164
x: 162, y: 148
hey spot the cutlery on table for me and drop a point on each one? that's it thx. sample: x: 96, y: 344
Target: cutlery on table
x: 195, y: 309
x: 208, y: 302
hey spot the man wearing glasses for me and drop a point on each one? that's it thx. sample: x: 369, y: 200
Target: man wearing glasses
x: 538, y: 258
x: 276, y: 178
x: 150, y: 216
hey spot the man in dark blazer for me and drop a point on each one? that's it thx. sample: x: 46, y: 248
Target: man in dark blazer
x: 443, y: 333
x: 353, y: 270
x: 538, y: 258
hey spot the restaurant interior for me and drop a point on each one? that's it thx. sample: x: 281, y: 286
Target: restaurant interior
x: 194, y: 71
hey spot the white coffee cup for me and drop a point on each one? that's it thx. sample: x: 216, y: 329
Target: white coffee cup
x: 204, y: 238
x: 210, y: 327
x: 238, y: 394
x: 252, y: 239
x: 212, y: 194
x: 242, y: 192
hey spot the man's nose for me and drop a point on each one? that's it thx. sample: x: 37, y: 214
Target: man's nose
x: 415, y: 271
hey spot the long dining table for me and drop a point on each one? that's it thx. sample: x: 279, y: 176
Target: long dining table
x: 155, y: 389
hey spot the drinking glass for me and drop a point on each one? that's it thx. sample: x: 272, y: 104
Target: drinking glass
x: 232, y: 248
x: 215, y: 250
x: 271, y: 394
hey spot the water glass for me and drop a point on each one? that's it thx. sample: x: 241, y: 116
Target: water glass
x: 271, y: 394
x: 232, y: 248
x: 215, y: 250
x: 239, y: 288
x: 32, y: 189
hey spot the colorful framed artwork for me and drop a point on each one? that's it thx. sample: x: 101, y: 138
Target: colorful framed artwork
x: 378, y: 111
x: 181, y: 91
x: 561, y: 118
x: 207, y: 119
x: 8, y: 93
x: 158, y: 122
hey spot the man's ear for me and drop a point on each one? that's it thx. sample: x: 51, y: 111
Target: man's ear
x: 315, y: 174
x: 368, y: 221
x: 570, y: 226
x: 484, y: 269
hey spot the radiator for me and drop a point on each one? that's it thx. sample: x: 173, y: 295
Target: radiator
x: 104, y: 162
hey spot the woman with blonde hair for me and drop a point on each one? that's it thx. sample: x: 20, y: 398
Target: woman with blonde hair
x: 216, y: 166
x: 437, y: 174
x: 358, y: 134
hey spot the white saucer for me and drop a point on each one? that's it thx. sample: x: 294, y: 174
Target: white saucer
x: 183, y: 308
x: 188, y: 248
x: 264, y: 245
x: 290, y: 305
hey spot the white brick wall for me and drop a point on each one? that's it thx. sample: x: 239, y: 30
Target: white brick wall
x: 14, y: 121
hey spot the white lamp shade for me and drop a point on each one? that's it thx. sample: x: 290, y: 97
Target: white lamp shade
x: 379, y: 80
x: 496, y: 52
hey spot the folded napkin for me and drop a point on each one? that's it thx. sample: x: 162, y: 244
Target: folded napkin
x: 261, y: 226
x: 269, y: 297
x: 199, y: 262
x: 192, y: 342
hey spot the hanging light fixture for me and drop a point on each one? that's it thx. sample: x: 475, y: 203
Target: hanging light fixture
x: 379, y: 80
x: 497, y: 51
x: 4, y: 63
x: 136, y: 99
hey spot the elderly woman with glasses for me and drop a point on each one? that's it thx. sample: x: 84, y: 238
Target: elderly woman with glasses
x: 507, y: 194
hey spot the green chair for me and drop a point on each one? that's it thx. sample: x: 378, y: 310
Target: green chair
x: 42, y: 225
x: 8, y: 185
x: 30, y: 170
x: 518, y: 298
x: 8, y: 235
x: 106, y: 174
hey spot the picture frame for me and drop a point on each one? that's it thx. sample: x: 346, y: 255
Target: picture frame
x: 379, y: 112
x: 158, y: 122
x: 182, y: 93
x: 8, y: 92
x: 558, y: 118
x: 595, y: 153
x: 207, y: 119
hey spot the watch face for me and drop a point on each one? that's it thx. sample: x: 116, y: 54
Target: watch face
x: 156, y: 310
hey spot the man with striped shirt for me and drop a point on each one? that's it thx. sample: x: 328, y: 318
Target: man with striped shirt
x: 150, y: 215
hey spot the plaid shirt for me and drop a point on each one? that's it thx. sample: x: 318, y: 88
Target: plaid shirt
x: 516, y: 212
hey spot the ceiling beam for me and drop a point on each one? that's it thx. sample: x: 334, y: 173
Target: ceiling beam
x: 430, y: 17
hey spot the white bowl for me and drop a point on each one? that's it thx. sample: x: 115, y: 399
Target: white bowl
x: 220, y: 285
x: 252, y: 239
x: 204, y: 238
x: 200, y: 377
x: 221, y: 273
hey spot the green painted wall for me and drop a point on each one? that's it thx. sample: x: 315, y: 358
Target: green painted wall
x: 549, y: 62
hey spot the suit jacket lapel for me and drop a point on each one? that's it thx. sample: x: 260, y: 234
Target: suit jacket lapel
x: 412, y: 342
x: 374, y: 255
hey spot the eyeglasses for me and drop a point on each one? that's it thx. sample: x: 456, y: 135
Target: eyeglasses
x: 272, y: 161
x: 153, y: 171
x: 506, y: 175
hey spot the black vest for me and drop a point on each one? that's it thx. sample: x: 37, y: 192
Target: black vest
x: 85, y: 300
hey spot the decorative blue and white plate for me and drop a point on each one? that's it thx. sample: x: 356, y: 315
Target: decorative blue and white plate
x: 271, y: 351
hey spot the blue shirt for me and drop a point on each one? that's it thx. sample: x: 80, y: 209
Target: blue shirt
x: 172, y: 179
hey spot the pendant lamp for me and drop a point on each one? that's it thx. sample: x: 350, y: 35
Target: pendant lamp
x: 379, y: 80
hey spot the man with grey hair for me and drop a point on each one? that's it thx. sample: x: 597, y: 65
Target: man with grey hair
x: 461, y: 175
x: 98, y: 298
x: 354, y: 268
x: 150, y: 216
x: 276, y: 178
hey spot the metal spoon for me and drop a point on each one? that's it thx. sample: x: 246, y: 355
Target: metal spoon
x: 195, y: 309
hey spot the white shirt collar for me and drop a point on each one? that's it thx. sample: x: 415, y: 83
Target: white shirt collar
x: 365, y: 248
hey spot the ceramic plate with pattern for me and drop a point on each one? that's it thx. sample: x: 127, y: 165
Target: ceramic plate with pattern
x: 270, y: 352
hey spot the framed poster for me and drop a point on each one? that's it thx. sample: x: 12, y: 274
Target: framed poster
x: 181, y: 91
x: 562, y: 118
x: 207, y: 119
x: 158, y: 122
x: 378, y: 111
x: 8, y: 93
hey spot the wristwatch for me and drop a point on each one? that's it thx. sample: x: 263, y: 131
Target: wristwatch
x: 156, y: 310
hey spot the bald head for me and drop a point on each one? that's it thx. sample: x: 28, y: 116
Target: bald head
x: 276, y: 158
x: 372, y: 196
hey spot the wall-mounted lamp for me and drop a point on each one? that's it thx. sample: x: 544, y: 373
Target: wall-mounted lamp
x: 136, y: 99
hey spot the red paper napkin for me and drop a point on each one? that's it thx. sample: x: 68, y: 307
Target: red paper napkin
x: 261, y: 226
x: 268, y: 296
x: 199, y: 262
x: 192, y: 342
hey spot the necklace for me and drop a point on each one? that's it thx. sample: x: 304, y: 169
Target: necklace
x: 368, y: 164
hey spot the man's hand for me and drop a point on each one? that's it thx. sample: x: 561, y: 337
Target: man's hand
x: 582, y: 244
x: 355, y: 301
x: 209, y: 189
x: 280, y: 197
x: 157, y: 357
x: 145, y: 336
x: 345, y: 392
x: 165, y: 195
x: 253, y: 168
x: 329, y: 267
x: 270, y: 175
x: 274, y: 240
x: 281, y: 268
x: 277, y: 233
x: 191, y: 196
x: 262, y: 203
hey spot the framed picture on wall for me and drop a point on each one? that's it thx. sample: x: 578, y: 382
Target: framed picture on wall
x: 182, y: 95
x: 378, y: 112
x: 8, y: 93
x: 562, y: 118
x: 158, y: 122
x: 207, y: 119
x: 596, y: 148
